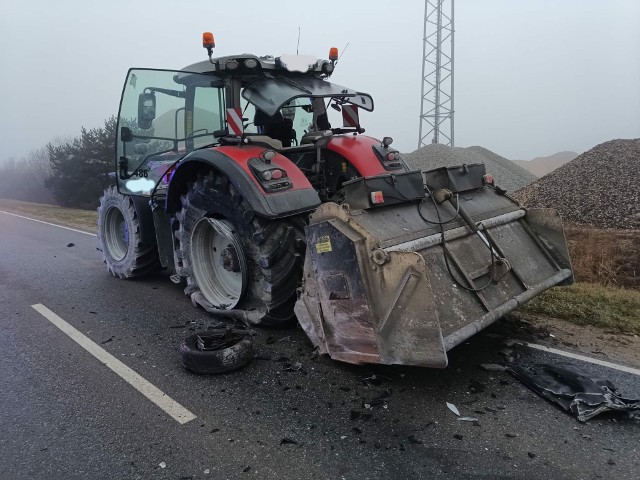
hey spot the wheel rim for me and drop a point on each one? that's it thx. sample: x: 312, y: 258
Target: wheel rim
x: 116, y: 234
x: 218, y: 262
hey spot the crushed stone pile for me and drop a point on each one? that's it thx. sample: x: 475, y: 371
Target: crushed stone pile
x: 600, y: 188
x: 507, y: 174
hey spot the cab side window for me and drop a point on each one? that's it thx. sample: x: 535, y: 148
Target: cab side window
x: 207, y: 115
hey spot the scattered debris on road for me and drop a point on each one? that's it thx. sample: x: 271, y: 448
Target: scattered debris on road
x: 453, y: 408
x: 468, y: 419
x: 288, y: 441
x: 71, y: 244
x: 574, y: 390
x: 492, y: 367
x: 219, y: 338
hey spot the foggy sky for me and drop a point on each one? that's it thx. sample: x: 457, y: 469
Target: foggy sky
x: 533, y: 77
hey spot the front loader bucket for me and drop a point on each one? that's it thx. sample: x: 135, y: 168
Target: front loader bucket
x: 377, y: 288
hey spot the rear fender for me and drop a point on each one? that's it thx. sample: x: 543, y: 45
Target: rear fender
x: 233, y: 163
x: 360, y: 151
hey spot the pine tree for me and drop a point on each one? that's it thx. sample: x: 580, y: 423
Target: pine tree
x: 80, y: 168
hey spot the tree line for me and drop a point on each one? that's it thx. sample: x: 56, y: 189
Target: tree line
x: 71, y: 172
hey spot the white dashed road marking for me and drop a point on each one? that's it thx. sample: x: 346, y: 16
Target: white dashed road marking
x: 47, y: 223
x: 595, y: 361
x: 153, y: 393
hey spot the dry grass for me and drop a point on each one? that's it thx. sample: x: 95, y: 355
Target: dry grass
x: 69, y: 217
x: 615, y: 309
x: 607, y: 257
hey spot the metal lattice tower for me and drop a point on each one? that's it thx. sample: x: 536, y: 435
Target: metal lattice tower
x: 436, y: 106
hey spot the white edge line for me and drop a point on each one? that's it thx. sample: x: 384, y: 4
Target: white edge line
x: 153, y: 393
x: 48, y: 223
x: 622, y: 368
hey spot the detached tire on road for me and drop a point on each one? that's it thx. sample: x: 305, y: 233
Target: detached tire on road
x: 119, y: 237
x: 211, y: 362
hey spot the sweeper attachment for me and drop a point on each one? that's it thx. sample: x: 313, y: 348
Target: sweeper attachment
x: 405, y: 280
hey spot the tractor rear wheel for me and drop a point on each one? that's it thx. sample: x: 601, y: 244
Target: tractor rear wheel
x: 119, y: 237
x: 233, y: 259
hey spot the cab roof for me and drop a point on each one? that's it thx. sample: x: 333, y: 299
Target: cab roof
x: 249, y: 64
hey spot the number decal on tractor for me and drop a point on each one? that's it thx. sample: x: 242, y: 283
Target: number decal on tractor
x: 141, y: 173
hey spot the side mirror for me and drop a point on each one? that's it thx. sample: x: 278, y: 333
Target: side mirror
x: 146, y: 110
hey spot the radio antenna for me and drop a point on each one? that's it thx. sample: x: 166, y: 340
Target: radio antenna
x: 343, y: 50
x: 298, y: 46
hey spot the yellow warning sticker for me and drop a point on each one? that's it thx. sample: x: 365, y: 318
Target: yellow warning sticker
x: 324, y: 244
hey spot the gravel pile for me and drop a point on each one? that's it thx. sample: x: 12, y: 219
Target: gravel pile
x: 600, y: 188
x: 507, y: 174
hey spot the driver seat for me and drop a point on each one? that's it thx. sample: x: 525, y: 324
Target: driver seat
x: 275, y: 126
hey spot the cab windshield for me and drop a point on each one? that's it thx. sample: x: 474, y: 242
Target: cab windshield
x: 270, y: 94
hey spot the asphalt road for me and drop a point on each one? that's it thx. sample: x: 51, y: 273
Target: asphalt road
x: 65, y: 415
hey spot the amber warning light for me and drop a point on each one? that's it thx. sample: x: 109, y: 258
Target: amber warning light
x: 208, y: 43
x: 333, y: 54
x: 207, y: 40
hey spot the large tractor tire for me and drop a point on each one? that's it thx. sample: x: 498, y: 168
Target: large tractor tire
x: 233, y: 259
x: 119, y: 237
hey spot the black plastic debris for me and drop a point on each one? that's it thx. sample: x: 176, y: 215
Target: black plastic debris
x: 292, y: 367
x: 492, y: 367
x: 288, y: 441
x: 71, y: 244
x: 219, y: 338
x: 574, y: 390
x: 180, y: 325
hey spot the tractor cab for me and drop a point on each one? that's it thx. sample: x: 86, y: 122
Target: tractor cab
x: 280, y: 103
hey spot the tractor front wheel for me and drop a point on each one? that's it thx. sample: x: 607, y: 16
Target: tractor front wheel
x: 119, y: 237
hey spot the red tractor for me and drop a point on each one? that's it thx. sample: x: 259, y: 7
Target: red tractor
x: 231, y: 177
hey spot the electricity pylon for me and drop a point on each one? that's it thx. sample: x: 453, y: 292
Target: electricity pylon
x: 436, y: 99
